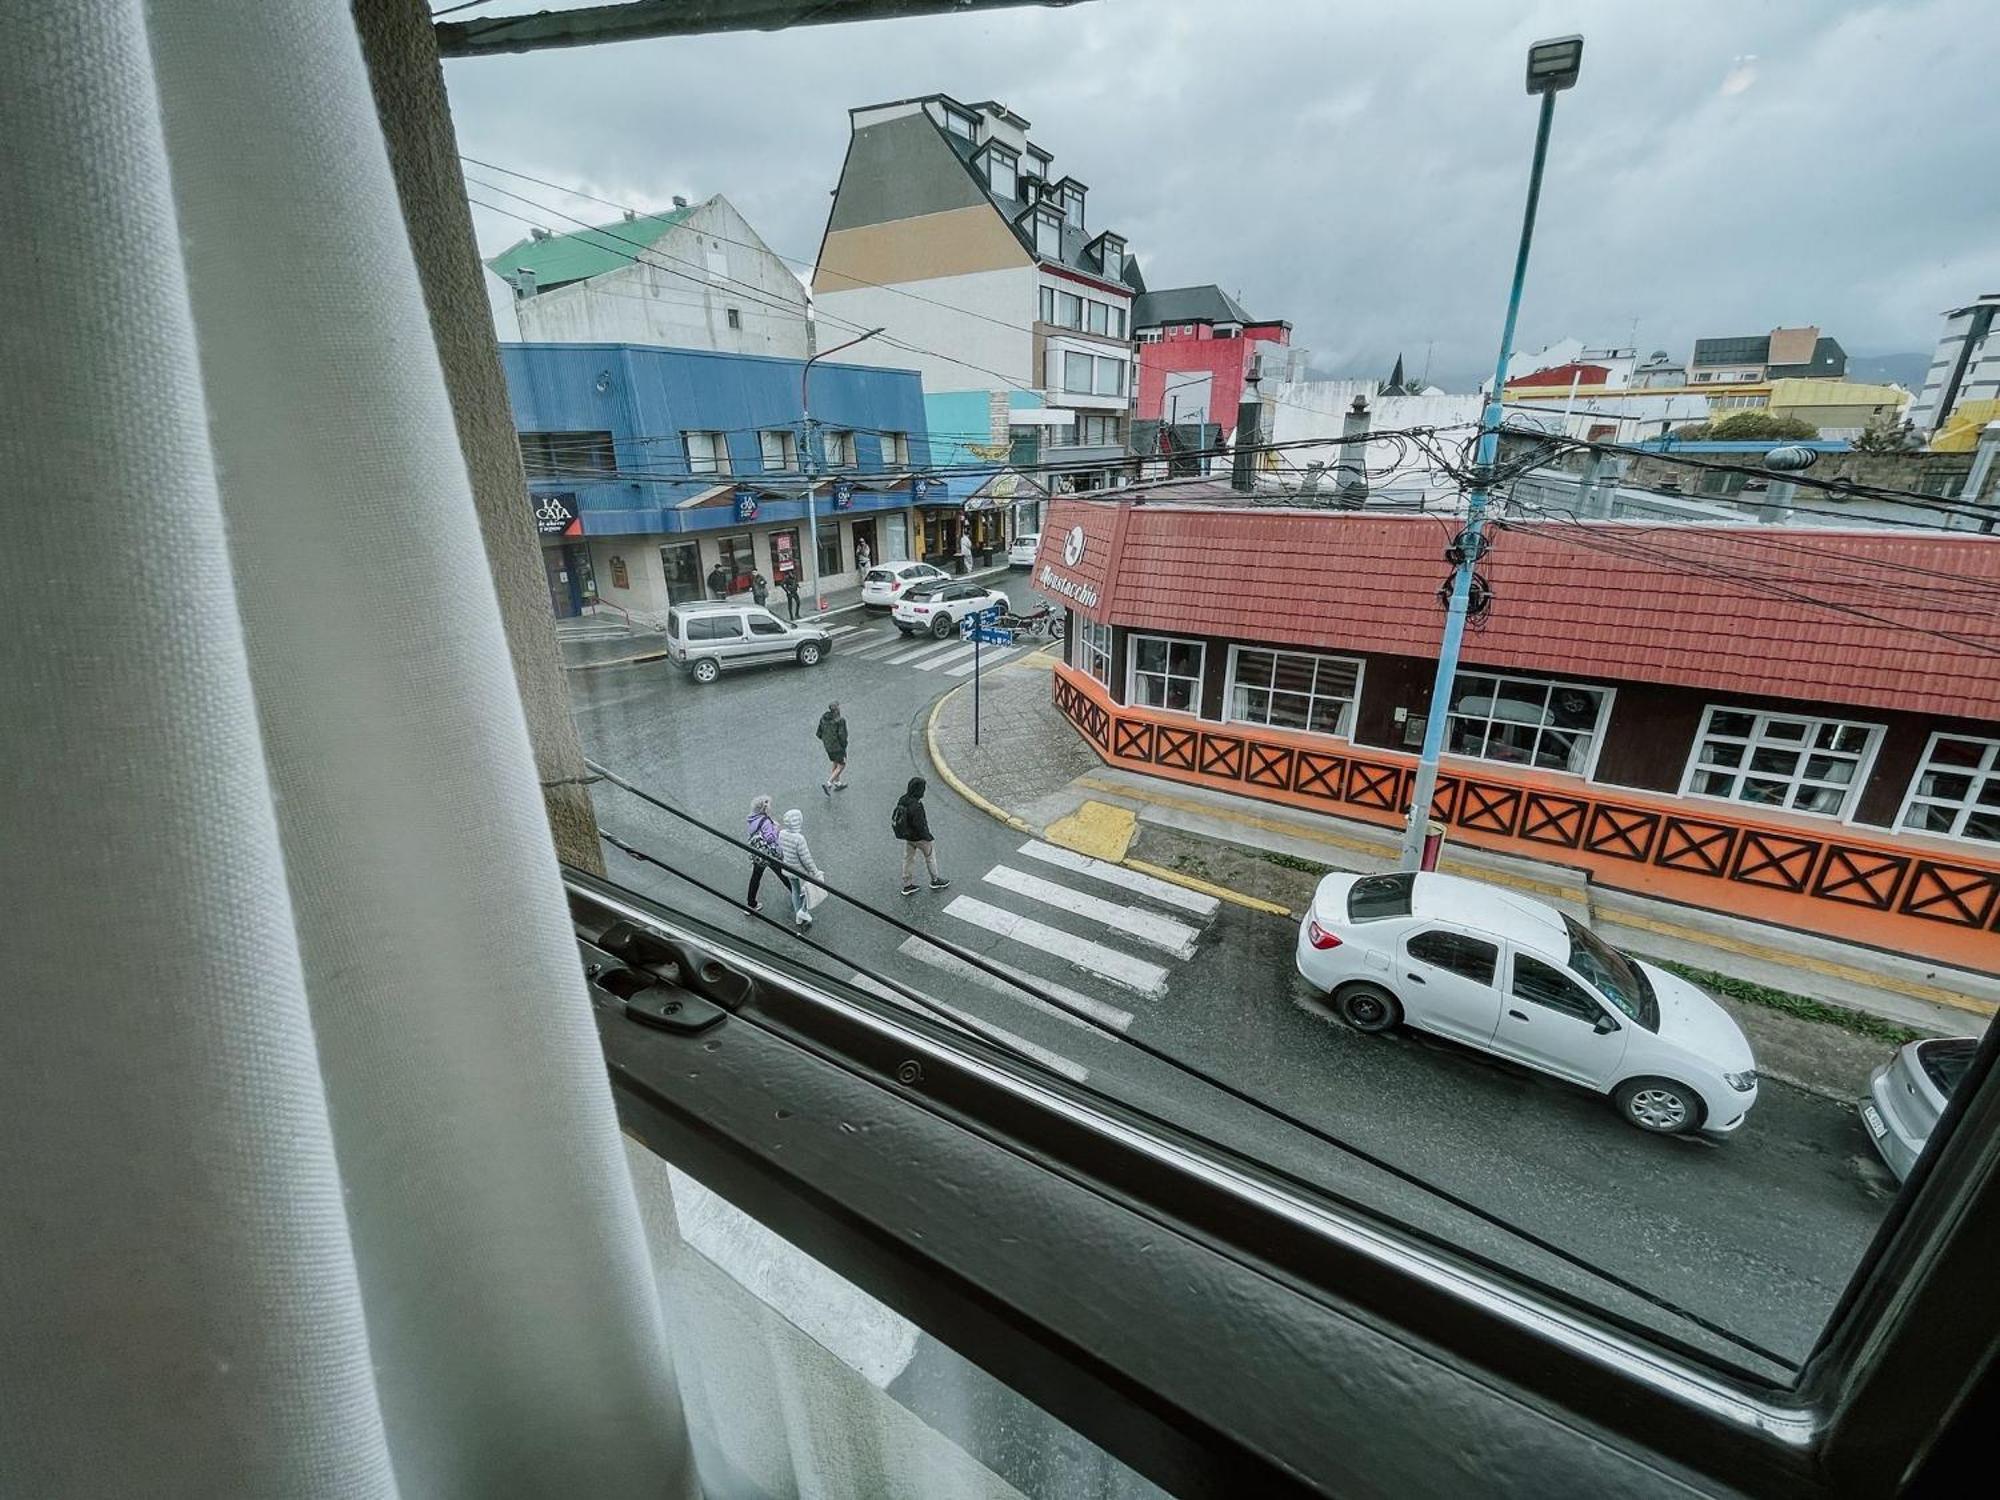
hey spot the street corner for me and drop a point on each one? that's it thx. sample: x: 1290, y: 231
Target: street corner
x: 1097, y: 829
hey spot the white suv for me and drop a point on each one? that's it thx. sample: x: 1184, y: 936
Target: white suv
x: 939, y: 605
x: 1514, y: 976
x: 884, y: 583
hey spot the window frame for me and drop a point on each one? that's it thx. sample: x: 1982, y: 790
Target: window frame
x: 1864, y: 767
x: 1098, y: 363
x: 1086, y: 632
x: 895, y: 449
x: 1597, y: 1005
x: 1069, y: 386
x: 788, y: 445
x: 1065, y: 302
x: 1988, y: 771
x: 1134, y: 640
x: 1045, y: 304
x: 837, y: 447
x: 1349, y: 717
x: 1607, y: 696
x: 1008, y: 160
x: 734, y: 317
x: 718, y: 459
x: 1438, y: 930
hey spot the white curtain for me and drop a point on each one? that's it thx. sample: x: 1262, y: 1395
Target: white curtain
x: 309, y: 1179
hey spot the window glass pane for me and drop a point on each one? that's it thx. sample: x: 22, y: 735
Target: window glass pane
x: 1329, y: 716
x: 1983, y: 825
x: 1927, y: 817
x: 1457, y: 954
x: 1294, y: 674
x: 1069, y: 309
x: 1737, y: 724
x: 1955, y: 752
x: 1792, y: 730
x: 1100, y: 318
x: 1048, y: 308
x: 1757, y: 790
x: 1543, y: 984
x: 1819, y: 799
x: 1721, y: 753
x: 1184, y: 657
x: 1830, y: 768
x: 1338, y: 678
x: 1149, y: 653
x: 1715, y: 784
x: 1777, y: 762
x: 1076, y: 372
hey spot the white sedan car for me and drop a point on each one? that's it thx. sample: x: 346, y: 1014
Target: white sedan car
x: 939, y: 605
x: 1022, y: 550
x: 1514, y: 976
x: 883, y: 584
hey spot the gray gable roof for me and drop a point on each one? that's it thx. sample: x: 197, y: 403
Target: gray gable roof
x: 1187, y: 304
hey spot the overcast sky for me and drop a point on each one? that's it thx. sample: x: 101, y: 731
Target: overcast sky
x: 1358, y: 166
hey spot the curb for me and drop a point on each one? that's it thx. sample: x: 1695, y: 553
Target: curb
x: 1021, y: 825
x: 616, y: 661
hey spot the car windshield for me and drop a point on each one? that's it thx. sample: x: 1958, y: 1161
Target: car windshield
x: 1945, y: 1062
x: 1375, y: 896
x: 1617, y: 978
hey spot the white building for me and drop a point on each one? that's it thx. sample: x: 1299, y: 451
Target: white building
x: 694, y: 277
x: 1966, y: 365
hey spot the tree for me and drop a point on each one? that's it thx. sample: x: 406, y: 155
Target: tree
x: 1759, y: 426
x: 1887, y: 437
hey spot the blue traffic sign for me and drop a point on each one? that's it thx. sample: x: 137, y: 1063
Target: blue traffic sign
x: 991, y: 637
x: 989, y: 615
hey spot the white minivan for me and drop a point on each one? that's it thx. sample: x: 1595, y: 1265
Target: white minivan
x: 706, y: 637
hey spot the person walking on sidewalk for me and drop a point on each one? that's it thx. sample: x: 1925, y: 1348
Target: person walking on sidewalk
x: 965, y: 547
x: 760, y: 586
x: 790, y: 584
x: 863, y: 558
x: 912, y: 825
x: 761, y: 834
x: 718, y: 582
x: 832, y: 732
x: 798, y: 857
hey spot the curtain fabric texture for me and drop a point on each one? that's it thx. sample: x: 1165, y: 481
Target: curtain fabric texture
x: 309, y: 1178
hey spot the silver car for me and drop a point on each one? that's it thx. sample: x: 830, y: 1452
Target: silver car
x: 1908, y: 1093
x: 706, y: 637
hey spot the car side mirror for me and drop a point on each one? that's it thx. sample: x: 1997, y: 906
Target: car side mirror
x: 1605, y: 1025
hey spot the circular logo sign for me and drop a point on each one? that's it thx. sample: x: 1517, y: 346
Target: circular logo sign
x: 1073, y: 547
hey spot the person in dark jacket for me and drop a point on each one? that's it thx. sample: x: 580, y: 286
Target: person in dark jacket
x: 790, y: 584
x: 718, y: 582
x: 760, y: 587
x: 913, y: 826
x: 833, y: 733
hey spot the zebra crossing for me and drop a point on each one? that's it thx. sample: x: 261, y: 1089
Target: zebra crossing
x: 883, y: 644
x: 1099, y: 943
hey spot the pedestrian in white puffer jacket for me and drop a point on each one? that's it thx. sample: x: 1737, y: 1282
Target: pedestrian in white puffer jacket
x: 797, y: 855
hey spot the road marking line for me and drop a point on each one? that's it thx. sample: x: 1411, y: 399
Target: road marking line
x: 1163, y: 891
x: 1148, y: 927
x: 1076, y: 1072
x: 987, y: 662
x: 928, y: 648
x: 1148, y: 979
x: 939, y: 661
x: 958, y: 968
x: 879, y: 643
x: 840, y: 629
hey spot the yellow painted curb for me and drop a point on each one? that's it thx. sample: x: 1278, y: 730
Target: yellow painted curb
x: 1207, y: 888
x: 1096, y: 829
x: 955, y: 781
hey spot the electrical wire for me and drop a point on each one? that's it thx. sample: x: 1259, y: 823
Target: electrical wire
x: 1183, y: 1067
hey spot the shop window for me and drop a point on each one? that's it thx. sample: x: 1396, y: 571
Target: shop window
x: 1781, y: 760
x: 707, y: 453
x: 779, y: 448
x: 1956, y: 791
x: 1093, y: 648
x: 1293, y: 690
x: 829, y: 551
x: 895, y: 450
x: 1520, y: 721
x: 738, y: 557
x: 1167, y: 673
x: 550, y: 455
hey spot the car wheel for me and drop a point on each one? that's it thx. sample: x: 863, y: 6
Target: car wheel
x: 1368, y: 1007
x: 706, y: 670
x: 1659, y: 1106
x: 941, y: 626
x: 809, y: 654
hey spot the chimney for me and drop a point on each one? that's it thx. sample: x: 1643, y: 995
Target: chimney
x: 537, y: 232
x: 524, y: 283
x: 1249, y: 430
x: 1352, y: 472
x: 631, y: 215
x: 679, y: 201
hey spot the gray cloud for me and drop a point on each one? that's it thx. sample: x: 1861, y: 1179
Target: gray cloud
x: 1359, y: 169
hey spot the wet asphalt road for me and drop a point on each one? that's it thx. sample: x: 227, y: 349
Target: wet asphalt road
x: 1756, y: 1234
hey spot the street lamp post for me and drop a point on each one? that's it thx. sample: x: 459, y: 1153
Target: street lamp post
x: 1552, y: 67
x: 806, y: 457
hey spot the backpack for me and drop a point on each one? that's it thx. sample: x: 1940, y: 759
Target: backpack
x: 899, y: 820
x: 763, y: 838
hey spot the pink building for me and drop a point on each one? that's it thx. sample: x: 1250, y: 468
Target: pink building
x: 1196, y: 345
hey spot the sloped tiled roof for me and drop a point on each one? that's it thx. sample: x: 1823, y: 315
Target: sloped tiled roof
x: 583, y: 253
x: 1187, y: 304
x: 1602, y: 601
x: 1075, y: 242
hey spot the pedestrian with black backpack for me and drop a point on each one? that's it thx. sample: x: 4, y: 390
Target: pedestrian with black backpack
x: 761, y: 834
x: 910, y: 823
x: 832, y: 733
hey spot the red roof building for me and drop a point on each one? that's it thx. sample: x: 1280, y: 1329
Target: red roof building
x: 1811, y: 715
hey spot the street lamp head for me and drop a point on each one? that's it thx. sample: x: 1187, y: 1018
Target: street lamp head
x: 1553, y: 65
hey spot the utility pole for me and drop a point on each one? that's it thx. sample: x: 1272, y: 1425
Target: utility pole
x: 1552, y: 67
x: 806, y: 457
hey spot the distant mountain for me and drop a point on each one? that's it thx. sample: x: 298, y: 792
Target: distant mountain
x: 1906, y: 370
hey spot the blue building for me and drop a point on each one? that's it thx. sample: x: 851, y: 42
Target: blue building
x: 649, y: 467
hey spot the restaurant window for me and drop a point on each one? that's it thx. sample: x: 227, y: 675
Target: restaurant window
x: 707, y: 453
x: 1076, y: 373
x: 1166, y: 673
x: 1780, y: 760
x: 1956, y: 790
x: 1293, y: 690
x: 779, y: 448
x: 895, y: 450
x: 1524, y: 722
x: 549, y: 455
x: 1093, y: 653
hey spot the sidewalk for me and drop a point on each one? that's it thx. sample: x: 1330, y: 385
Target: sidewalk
x: 650, y: 643
x: 1032, y: 770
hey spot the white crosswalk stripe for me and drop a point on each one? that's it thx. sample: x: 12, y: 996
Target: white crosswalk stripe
x: 878, y: 643
x: 1176, y: 938
x: 938, y: 661
x: 1150, y: 886
x: 929, y: 648
x: 989, y: 658
x: 958, y: 968
x: 840, y: 629
x: 1108, y: 963
x: 1054, y: 1061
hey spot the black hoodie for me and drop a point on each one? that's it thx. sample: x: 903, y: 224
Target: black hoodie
x: 916, y: 825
